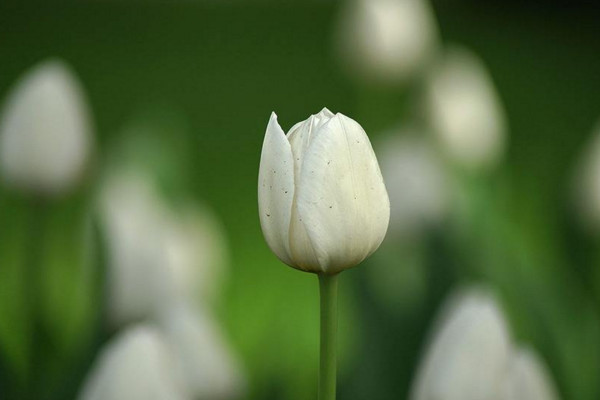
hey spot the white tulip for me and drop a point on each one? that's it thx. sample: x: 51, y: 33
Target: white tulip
x: 464, y: 110
x: 155, y: 254
x: 416, y: 182
x: 204, y: 362
x: 387, y: 40
x: 136, y: 365
x: 468, y: 353
x: 527, y: 378
x: 322, y: 202
x: 45, y: 131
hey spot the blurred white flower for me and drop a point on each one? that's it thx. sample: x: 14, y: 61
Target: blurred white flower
x: 162, y: 258
x: 45, y: 131
x: 587, y: 184
x: 156, y: 254
x: 322, y: 202
x: 132, y: 215
x: 195, y: 253
x: 387, y: 40
x: 136, y: 365
x: 204, y: 362
x: 468, y: 353
x: 416, y: 183
x: 527, y: 378
x: 465, y: 111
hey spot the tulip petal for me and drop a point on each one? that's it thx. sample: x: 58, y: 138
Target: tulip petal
x: 300, y: 137
x: 527, y: 377
x: 203, y: 359
x: 301, y: 249
x: 341, y: 197
x: 469, y: 351
x: 276, y: 190
x: 45, y: 131
x: 136, y: 365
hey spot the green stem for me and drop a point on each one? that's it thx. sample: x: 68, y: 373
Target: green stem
x: 327, y: 375
x: 33, y: 291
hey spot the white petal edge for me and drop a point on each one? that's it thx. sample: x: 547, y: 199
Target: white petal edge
x: 528, y: 378
x: 276, y: 190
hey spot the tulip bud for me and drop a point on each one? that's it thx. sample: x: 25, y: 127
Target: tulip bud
x: 468, y: 353
x: 587, y: 185
x: 132, y: 216
x: 137, y: 365
x: 527, y: 378
x: 203, y: 360
x: 45, y: 132
x: 465, y: 112
x: 322, y: 202
x: 156, y: 255
x: 387, y: 40
x: 195, y: 253
x: 416, y: 183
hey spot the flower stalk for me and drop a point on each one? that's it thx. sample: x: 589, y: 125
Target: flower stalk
x: 33, y: 293
x: 327, y: 371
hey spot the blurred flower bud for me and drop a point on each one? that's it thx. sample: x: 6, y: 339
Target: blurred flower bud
x: 468, y: 352
x: 387, y: 40
x: 203, y: 360
x: 156, y: 255
x: 464, y: 110
x: 132, y: 214
x: 527, y: 378
x: 45, y: 131
x: 587, y: 184
x: 195, y: 253
x: 322, y: 202
x: 136, y: 365
x: 416, y: 182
